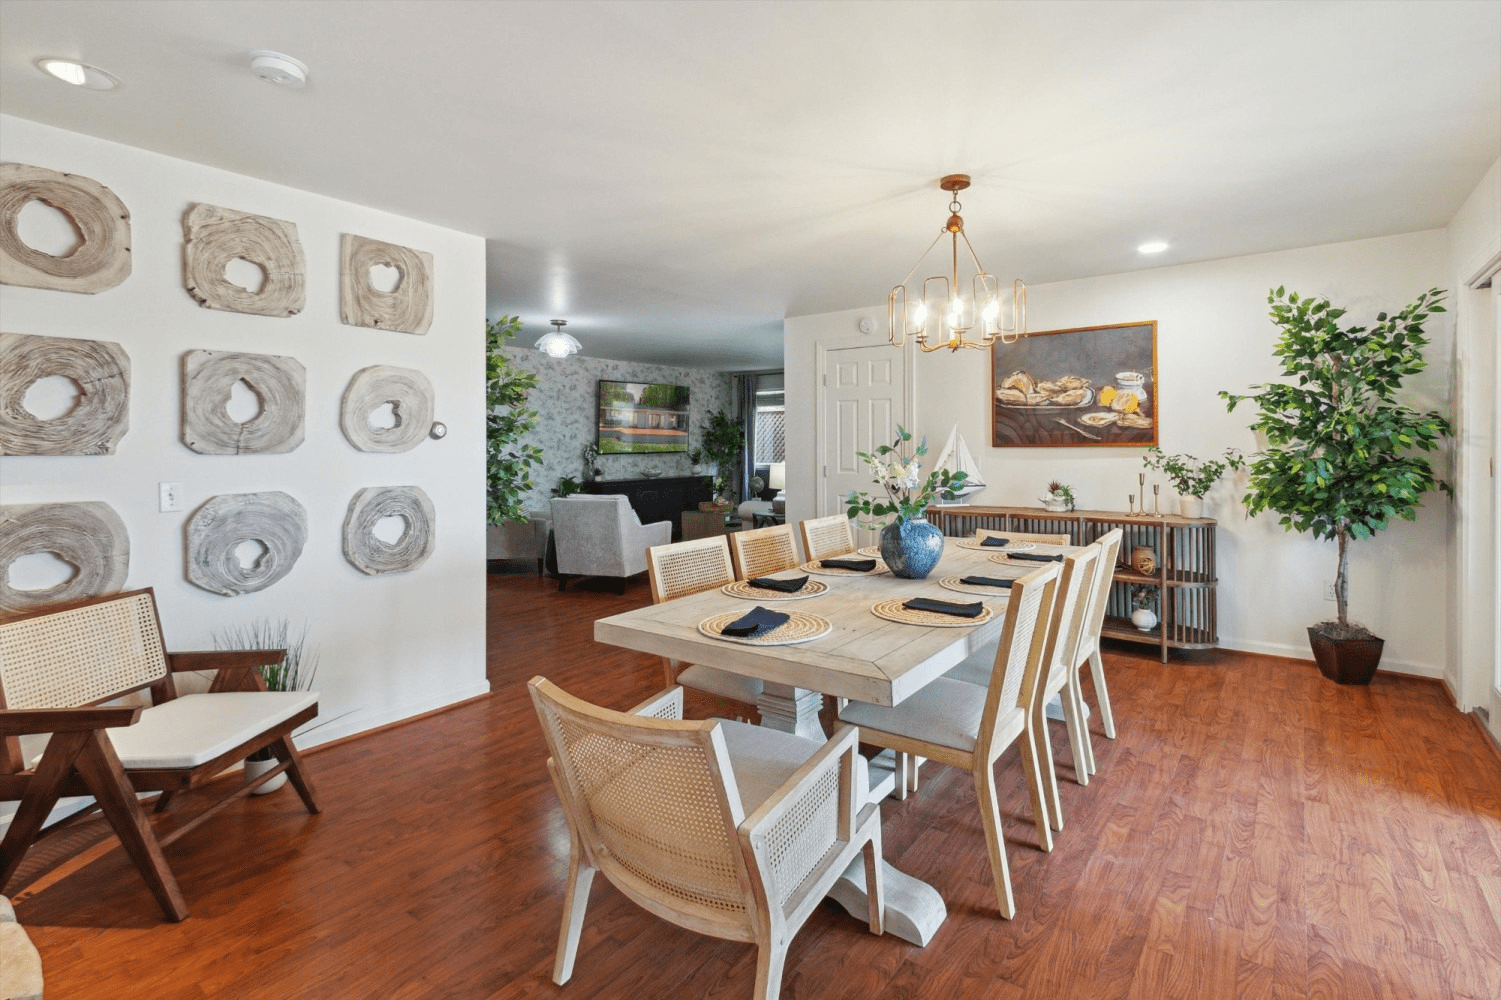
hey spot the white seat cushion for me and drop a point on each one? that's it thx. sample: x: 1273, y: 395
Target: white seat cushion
x: 975, y: 668
x: 763, y: 759
x: 721, y: 682
x: 195, y: 728
x: 945, y: 712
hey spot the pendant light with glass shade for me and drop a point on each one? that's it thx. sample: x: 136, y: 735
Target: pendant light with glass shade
x: 939, y: 312
x: 558, y: 344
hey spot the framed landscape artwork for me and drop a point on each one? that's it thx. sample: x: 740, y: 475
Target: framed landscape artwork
x: 642, y: 417
x: 1094, y: 386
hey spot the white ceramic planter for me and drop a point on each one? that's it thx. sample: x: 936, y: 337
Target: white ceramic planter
x: 255, y: 768
x: 1191, y: 506
x: 1145, y: 619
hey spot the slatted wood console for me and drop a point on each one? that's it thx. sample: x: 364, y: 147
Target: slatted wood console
x: 1185, y: 575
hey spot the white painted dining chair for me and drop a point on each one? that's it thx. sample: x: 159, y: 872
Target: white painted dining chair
x: 947, y: 723
x: 1089, y: 642
x: 763, y: 550
x: 826, y: 537
x: 682, y: 568
x: 729, y: 830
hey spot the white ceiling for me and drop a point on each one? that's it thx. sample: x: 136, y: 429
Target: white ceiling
x: 676, y: 178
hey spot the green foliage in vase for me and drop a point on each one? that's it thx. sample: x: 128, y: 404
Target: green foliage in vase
x: 1340, y: 461
x: 567, y: 487
x: 1191, y: 476
x: 1061, y: 491
x: 507, y: 420
x: 908, y: 495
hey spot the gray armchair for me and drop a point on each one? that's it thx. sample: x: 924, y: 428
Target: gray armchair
x: 513, y: 540
x: 602, y: 536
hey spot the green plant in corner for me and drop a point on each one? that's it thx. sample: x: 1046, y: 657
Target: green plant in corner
x: 567, y: 487
x: 1340, y: 462
x: 507, y: 420
x: 298, y: 668
x: 722, y: 444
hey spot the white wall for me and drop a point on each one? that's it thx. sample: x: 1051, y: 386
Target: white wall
x: 1474, y: 245
x: 391, y: 646
x: 1213, y: 333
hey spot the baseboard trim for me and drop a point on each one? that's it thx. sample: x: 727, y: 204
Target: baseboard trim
x: 1389, y: 665
x: 335, y: 737
x: 1486, y: 735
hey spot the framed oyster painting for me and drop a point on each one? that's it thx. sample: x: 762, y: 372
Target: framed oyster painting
x: 1094, y: 386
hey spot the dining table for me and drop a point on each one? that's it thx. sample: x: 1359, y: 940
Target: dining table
x: 848, y: 636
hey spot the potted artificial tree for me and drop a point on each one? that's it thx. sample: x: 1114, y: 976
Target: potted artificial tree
x: 507, y: 420
x: 722, y: 444
x: 1340, y: 461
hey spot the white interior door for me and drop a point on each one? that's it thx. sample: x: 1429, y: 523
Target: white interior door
x: 1495, y: 637
x: 865, y: 397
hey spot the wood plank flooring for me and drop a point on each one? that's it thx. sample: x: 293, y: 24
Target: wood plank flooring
x: 1253, y: 832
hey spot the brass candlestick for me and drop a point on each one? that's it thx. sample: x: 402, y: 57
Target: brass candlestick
x: 1130, y: 503
x: 1156, y: 500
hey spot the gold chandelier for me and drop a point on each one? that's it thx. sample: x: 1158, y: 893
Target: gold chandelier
x: 942, y: 316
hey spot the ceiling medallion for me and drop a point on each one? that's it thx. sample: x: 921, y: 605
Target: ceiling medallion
x: 558, y: 344
x: 938, y: 314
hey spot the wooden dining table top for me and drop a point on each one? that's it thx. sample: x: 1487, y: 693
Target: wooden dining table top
x: 863, y: 658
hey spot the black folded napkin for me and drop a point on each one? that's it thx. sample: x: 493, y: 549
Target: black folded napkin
x: 974, y: 610
x: 993, y: 541
x: 858, y: 565
x: 757, y: 621
x: 985, y: 581
x: 1033, y: 557
x: 791, y: 586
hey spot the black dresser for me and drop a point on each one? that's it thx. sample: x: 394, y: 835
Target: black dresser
x: 661, y: 499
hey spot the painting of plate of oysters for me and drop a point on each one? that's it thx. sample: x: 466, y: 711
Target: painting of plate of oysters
x: 1020, y: 390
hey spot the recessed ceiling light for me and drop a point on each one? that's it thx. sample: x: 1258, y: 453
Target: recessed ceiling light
x: 78, y: 74
x: 282, y: 70
x: 1156, y: 246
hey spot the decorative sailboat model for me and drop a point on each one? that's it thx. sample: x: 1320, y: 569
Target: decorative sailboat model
x: 956, y: 457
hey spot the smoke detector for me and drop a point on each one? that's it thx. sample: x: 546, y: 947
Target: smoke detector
x: 282, y: 70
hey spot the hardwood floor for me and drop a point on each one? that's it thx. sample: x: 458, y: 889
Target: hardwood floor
x: 1255, y: 831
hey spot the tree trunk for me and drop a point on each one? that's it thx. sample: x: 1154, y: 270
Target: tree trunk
x: 1341, y: 579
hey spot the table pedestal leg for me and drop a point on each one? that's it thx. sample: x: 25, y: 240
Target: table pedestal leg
x: 792, y: 710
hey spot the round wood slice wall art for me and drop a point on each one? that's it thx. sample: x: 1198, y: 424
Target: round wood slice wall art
x: 101, y: 261
x: 98, y: 420
x: 411, y: 397
x: 279, y: 383
x: 218, y: 529
x: 371, y: 554
x: 215, y: 236
x: 407, y: 308
x: 89, y: 536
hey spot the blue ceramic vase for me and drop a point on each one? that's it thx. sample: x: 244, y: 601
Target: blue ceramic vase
x: 911, y: 547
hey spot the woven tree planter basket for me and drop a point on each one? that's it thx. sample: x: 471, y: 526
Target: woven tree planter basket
x: 1346, y: 661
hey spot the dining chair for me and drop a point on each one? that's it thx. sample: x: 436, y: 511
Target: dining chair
x: 763, y: 550
x: 1089, y: 640
x: 682, y: 568
x: 946, y: 722
x: 1022, y: 536
x: 825, y: 537
x: 729, y: 830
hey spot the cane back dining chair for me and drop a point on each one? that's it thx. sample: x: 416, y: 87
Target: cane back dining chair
x: 826, y: 537
x: 56, y: 668
x: 729, y: 830
x: 1089, y: 640
x: 682, y: 568
x: 947, y: 723
x: 763, y: 550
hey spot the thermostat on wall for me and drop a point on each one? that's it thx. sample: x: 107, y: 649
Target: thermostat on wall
x: 867, y: 325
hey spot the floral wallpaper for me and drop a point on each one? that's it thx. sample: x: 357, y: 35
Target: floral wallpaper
x: 567, y: 400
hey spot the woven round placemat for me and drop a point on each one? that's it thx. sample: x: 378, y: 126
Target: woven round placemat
x: 799, y: 627
x: 813, y: 567
x: 869, y: 550
x: 974, y: 543
x: 953, y: 583
x: 743, y: 589
x: 893, y: 611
